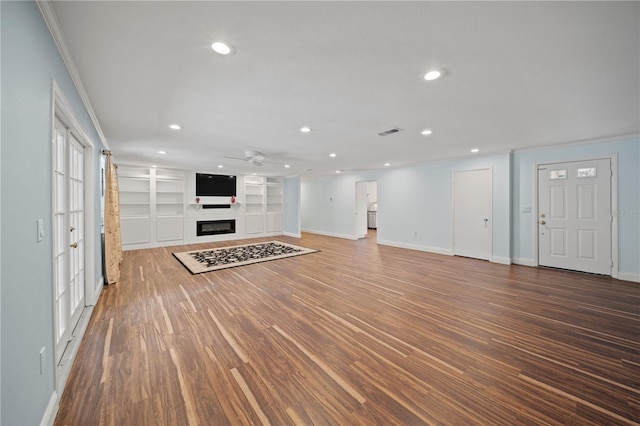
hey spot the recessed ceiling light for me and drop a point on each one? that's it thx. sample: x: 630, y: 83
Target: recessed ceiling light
x: 433, y: 75
x: 175, y: 126
x: 286, y: 166
x: 337, y: 171
x: 162, y: 152
x: 332, y: 155
x: 221, y: 48
x: 427, y: 132
x: 474, y: 150
x: 153, y: 166
x: 387, y: 164
x: 255, y: 174
x: 305, y: 129
x: 220, y: 166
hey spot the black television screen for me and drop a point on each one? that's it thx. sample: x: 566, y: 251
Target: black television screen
x: 215, y: 185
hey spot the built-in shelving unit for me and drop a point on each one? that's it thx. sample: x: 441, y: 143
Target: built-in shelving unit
x: 274, y: 204
x: 151, y: 206
x: 135, y: 204
x: 254, y: 201
x: 263, y: 204
x: 169, y: 205
x: 158, y: 207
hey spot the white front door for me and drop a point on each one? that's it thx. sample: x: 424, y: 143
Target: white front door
x: 472, y: 214
x: 574, y: 227
x: 68, y: 234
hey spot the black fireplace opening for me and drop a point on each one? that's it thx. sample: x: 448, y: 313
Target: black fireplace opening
x: 215, y: 227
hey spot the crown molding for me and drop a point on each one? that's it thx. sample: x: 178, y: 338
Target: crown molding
x: 50, y: 18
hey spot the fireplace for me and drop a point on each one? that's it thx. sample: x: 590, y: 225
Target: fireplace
x: 214, y: 227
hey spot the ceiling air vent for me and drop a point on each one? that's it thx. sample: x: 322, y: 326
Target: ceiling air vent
x: 389, y: 131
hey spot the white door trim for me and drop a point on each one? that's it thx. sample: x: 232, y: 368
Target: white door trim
x: 453, y: 210
x: 61, y: 108
x: 614, y: 206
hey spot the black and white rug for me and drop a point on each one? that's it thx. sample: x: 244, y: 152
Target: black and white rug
x: 199, y: 261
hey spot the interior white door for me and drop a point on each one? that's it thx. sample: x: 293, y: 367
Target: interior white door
x: 68, y: 235
x: 574, y: 229
x: 361, y: 209
x: 472, y: 213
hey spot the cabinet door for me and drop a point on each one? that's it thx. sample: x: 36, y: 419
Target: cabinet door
x: 254, y: 224
x: 274, y: 222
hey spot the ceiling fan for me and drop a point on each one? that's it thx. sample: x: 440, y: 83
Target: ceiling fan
x: 254, y: 157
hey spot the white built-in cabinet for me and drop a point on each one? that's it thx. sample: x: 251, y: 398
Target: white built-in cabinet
x: 169, y: 205
x: 135, y: 204
x: 274, y: 204
x: 158, y: 207
x: 151, y: 206
x: 263, y: 204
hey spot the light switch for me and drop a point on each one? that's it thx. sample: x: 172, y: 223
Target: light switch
x: 40, y: 229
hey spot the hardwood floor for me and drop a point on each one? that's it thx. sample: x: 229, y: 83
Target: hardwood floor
x: 357, y: 334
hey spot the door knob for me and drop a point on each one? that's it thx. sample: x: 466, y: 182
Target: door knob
x: 542, y: 222
x: 74, y: 245
x: 542, y: 215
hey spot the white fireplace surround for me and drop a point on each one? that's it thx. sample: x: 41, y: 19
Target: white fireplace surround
x: 159, y: 208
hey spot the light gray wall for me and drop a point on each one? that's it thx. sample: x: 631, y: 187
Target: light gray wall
x: 524, y: 172
x: 291, y: 193
x: 418, y: 199
x: 30, y: 62
x: 410, y: 200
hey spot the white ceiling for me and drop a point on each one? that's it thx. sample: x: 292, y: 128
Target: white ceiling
x: 519, y: 74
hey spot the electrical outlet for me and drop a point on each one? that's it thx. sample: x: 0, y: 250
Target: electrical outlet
x: 43, y: 353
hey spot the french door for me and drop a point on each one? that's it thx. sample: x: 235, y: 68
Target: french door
x: 574, y: 219
x: 68, y: 234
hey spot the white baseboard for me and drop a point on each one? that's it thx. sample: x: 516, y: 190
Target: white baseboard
x: 51, y: 411
x: 626, y: 276
x: 435, y: 250
x: 97, y: 291
x: 523, y: 262
x: 501, y: 260
x: 291, y: 234
x: 330, y: 234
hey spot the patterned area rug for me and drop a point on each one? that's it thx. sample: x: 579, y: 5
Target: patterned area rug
x: 199, y: 261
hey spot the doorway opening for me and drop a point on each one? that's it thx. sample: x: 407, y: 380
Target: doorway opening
x: 366, y: 209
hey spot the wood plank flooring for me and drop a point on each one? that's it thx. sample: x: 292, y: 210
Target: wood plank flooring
x: 357, y: 334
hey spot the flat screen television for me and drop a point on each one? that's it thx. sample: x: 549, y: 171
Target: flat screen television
x: 215, y: 185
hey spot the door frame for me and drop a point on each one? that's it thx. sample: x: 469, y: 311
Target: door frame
x: 453, y: 209
x: 61, y: 108
x: 359, y: 182
x: 613, y: 158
